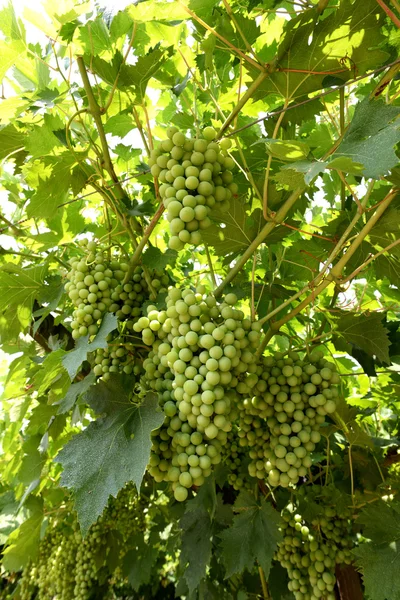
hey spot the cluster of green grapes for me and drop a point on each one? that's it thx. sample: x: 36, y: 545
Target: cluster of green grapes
x: 200, y: 348
x: 68, y: 565
x: 120, y: 356
x: 96, y: 286
x: 196, y: 174
x: 235, y: 459
x: 293, y: 397
x: 310, y: 550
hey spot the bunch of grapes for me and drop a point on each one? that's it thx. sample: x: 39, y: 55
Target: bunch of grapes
x: 310, y: 550
x: 97, y: 285
x: 120, y: 356
x: 293, y: 397
x: 196, y: 175
x: 68, y: 565
x: 200, y: 348
x: 235, y: 459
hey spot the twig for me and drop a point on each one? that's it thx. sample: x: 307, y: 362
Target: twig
x: 389, y: 13
x: 210, y: 265
x: 250, y: 91
x: 370, y: 259
x: 137, y: 254
x: 220, y: 37
x: 264, y: 585
x: 336, y: 271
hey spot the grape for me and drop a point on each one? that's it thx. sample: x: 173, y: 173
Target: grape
x: 310, y: 550
x: 97, y: 285
x: 195, y: 382
x: 292, y: 399
x: 68, y: 565
x: 195, y: 174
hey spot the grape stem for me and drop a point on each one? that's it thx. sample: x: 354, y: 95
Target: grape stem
x: 264, y: 585
x: 336, y: 271
x: 265, y: 231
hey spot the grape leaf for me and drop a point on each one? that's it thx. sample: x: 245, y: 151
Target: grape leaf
x: 366, y: 332
x: 237, y: 231
x: 120, y: 25
x: 111, y: 451
x: 196, y: 544
x: 254, y: 535
x: 94, y: 37
x: 119, y: 124
x: 155, y: 259
x: 19, y: 287
x: 138, y: 562
x: 310, y: 49
x: 10, y: 140
x: 23, y: 543
x: 139, y: 74
x: 73, y: 359
x: 379, y: 559
x: 371, y: 137
x: 150, y: 10
x: 75, y: 390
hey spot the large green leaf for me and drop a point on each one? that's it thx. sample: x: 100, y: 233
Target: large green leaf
x: 111, y: 451
x: 23, y: 543
x: 379, y: 559
x: 366, y: 332
x: 371, y: 137
x: 309, y: 50
x: 254, y: 535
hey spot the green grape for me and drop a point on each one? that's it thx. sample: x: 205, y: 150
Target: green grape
x: 190, y: 171
x: 310, y: 550
x: 195, y: 381
x: 294, y: 399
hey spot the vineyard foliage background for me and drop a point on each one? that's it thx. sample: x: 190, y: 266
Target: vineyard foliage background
x: 305, y: 243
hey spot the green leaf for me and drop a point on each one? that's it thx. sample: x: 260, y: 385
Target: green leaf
x: 287, y: 150
x: 111, y: 451
x: 106, y: 69
x: 138, y: 75
x: 311, y: 49
x: 196, y: 544
x: 94, y: 37
x: 120, y: 25
x: 73, y: 359
x: 10, y: 140
x: 155, y: 259
x: 31, y: 466
x: 75, y: 390
x: 139, y: 561
x: 379, y: 559
x: 119, y: 125
x: 19, y: 288
x: 371, y: 137
x: 151, y: 10
x: 12, y: 27
x: 366, y: 332
x: 253, y: 536
x: 238, y: 229
x: 23, y: 543
x: 10, y: 52
x: 41, y: 141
